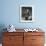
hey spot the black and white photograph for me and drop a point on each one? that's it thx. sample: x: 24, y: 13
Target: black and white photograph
x: 26, y: 13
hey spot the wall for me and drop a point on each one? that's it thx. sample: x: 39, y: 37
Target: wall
x: 10, y: 10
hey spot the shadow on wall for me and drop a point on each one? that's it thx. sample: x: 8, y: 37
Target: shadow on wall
x: 2, y: 26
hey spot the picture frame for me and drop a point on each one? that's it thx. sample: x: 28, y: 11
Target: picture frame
x: 26, y: 13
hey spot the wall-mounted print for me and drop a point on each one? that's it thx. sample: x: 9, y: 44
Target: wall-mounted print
x: 26, y: 13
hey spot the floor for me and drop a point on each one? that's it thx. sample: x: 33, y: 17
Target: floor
x: 0, y: 44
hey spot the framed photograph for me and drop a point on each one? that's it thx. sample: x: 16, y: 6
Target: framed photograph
x: 26, y: 13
